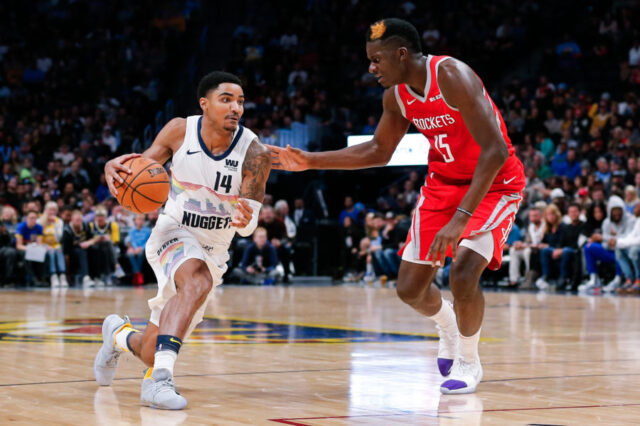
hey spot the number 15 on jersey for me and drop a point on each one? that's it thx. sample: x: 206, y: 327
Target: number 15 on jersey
x: 443, y: 148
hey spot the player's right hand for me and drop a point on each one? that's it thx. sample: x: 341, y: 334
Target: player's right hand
x: 291, y: 159
x: 112, y: 168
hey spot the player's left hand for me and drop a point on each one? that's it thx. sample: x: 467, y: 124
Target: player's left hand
x: 242, y: 215
x: 447, y: 236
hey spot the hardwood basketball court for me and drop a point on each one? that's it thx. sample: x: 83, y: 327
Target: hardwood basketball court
x: 325, y: 356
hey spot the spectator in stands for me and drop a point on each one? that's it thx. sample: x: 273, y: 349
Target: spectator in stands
x: 76, y: 240
x: 104, y: 251
x: 601, y: 247
x: 350, y: 236
x: 76, y: 175
x: 52, y: 230
x: 566, y: 164
x: 298, y: 211
x: 630, y: 198
x: 627, y: 252
x: 521, y: 251
x: 573, y: 236
x: 136, y: 240
x: 371, y: 125
x: 29, y: 232
x: 349, y: 210
x: 122, y: 216
x: 102, y: 192
x: 88, y: 205
x: 634, y: 54
x: 64, y: 155
x: 387, y: 258
x: 551, y: 248
x: 8, y: 255
x: 410, y: 194
x: 281, y: 210
x: 65, y: 214
x: 9, y: 218
x: 259, y: 261
x: 277, y: 234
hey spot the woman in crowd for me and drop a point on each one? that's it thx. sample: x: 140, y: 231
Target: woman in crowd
x: 551, y: 248
x: 52, y: 229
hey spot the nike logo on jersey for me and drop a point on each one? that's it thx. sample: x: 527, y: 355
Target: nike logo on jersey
x: 506, y: 182
x: 436, y: 122
x: 191, y: 153
x: 410, y: 102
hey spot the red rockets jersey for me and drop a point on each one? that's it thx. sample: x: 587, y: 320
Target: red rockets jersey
x: 453, y: 154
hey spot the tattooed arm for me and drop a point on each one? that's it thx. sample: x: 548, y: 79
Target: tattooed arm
x: 255, y: 171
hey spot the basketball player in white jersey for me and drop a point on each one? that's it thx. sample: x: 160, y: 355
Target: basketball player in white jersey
x: 219, y: 171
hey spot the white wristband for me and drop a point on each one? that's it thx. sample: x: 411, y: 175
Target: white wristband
x: 253, y: 224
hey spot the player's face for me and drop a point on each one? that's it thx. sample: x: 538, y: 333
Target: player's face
x: 384, y: 63
x: 224, y: 105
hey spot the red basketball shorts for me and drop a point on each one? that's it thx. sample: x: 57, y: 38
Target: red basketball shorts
x: 437, y: 205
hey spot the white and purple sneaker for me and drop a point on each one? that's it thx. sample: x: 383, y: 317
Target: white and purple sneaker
x: 464, y: 377
x: 448, y: 346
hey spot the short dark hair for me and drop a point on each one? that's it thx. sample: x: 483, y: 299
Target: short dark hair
x: 574, y: 204
x: 212, y: 80
x: 395, y: 29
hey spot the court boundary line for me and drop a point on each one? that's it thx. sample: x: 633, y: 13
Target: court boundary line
x: 292, y: 420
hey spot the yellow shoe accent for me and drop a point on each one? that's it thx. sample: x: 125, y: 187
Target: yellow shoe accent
x: 147, y: 374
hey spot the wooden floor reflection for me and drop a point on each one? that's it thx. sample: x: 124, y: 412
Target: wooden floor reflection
x: 325, y: 356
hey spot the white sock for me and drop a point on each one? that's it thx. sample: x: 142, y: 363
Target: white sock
x: 446, y: 317
x: 469, y: 347
x: 593, y: 278
x: 165, y: 359
x: 121, y: 338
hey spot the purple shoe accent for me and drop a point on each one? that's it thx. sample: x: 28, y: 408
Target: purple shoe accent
x: 444, y: 365
x: 453, y: 384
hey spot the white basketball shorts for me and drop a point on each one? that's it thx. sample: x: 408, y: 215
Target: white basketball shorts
x: 169, y: 246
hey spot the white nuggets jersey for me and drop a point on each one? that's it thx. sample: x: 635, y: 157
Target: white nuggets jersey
x: 205, y: 187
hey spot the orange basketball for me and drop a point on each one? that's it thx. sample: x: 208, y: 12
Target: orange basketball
x: 146, y: 188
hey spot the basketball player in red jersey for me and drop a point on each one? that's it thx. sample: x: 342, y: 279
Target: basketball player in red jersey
x: 469, y: 198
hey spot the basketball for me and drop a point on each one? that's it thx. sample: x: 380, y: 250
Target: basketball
x: 146, y: 188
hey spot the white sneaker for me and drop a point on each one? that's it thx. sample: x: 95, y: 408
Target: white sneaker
x: 593, y: 282
x: 542, y: 284
x: 63, y: 281
x: 613, y: 284
x: 87, y: 281
x: 55, y: 282
x: 98, y: 282
x: 464, y: 377
x: 119, y: 272
x: 448, y: 345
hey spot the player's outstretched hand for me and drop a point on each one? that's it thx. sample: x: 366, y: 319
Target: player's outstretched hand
x: 291, y: 159
x: 242, y: 215
x: 112, y: 168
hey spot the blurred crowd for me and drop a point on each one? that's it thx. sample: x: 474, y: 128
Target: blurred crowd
x: 79, y: 81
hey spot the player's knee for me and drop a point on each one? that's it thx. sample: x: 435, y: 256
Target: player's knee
x: 410, y: 291
x: 202, y: 285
